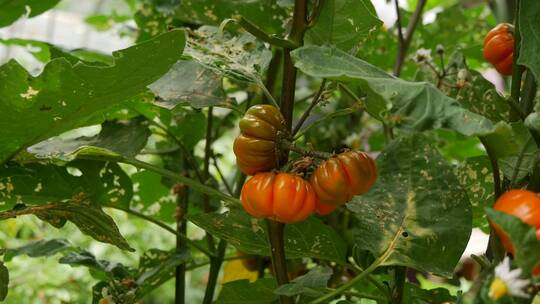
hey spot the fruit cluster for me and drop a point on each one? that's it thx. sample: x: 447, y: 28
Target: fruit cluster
x: 524, y: 205
x: 288, y: 197
x: 499, y: 48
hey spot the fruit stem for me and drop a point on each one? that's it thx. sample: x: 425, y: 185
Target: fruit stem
x: 305, y: 152
x: 277, y: 254
x: 316, y: 99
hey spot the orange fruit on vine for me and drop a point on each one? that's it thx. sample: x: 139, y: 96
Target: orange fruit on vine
x: 499, y: 48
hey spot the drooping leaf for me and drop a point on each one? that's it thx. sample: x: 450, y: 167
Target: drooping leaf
x: 343, y: 23
x: 100, y: 268
x: 90, y: 219
x: 39, y: 248
x: 310, y: 238
x: 414, y: 106
x: 241, y: 57
x: 529, y: 27
x: 522, y: 236
x: 11, y: 10
x: 116, y: 138
x: 64, y: 97
x: 416, y: 208
x: 242, y: 291
x: 267, y: 15
x: 102, y: 183
x: 189, y: 82
x: 475, y: 176
x: 156, y: 267
x: 312, y: 284
x: 4, y: 281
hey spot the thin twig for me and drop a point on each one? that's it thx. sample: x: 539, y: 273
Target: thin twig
x: 220, y: 173
x: 403, y: 47
x: 305, y: 152
x: 316, y: 99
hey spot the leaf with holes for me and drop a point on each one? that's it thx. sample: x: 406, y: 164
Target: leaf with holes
x: 475, y: 176
x: 415, y: 106
x: 39, y: 248
x: 416, y: 208
x: 36, y: 184
x: 189, y: 83
x: 310, y: 238
x: 343, y: 23
x: 66, y: 96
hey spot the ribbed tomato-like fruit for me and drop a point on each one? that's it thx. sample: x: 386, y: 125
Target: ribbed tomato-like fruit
x: 281, y: 197
x: 340, y: 178
x: 499, y: 48
x: 255, y: 147
x: 524, y: 205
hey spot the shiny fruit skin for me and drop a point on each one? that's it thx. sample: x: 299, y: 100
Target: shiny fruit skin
x: 255, y: 147
x: 499, y: 48
x: 524, y: 205
x: 281, y: 197
x: 340, y: 178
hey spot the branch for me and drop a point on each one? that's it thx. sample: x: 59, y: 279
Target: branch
x: 215, y: 266
x: 517, y: 70
x: 287, y: 145
x: 314, y: 102
x: 279, y: 263
x: 404, y: 46
x: 181, y: 229
x: 259, y: 33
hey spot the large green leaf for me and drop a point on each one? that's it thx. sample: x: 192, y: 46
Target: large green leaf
x: 189, y: 82
x: 417, y: 208
x: 37, y: 184
x: 410, y: 105
x: 4, y: 281
x: 38, y: 249
x: 66, y: 96
x: 523, y: 236
x: 343, y: 23
x: 475, y: 176
x: 242, y: 291
x: 120, y: 138
x: 266, y: 14
x: 310, y: 238
x: 11, y: 10
x: 529, y: 27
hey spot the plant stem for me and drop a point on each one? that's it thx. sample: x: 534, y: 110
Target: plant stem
x: 517, y: 70
x: 215, y: 266
x: 166, y: 227
x: 181, y: 229
x: 495, y: 168
x: 351, y: 283
x: 400, y: 275
x: 529, y: 93
x: 220, y: 173
x: 292, y: 147
x: 405, y: 43
x: 271, y: 74
x: 279, y: 263
x: 206, y: 175
x: 314, y: 102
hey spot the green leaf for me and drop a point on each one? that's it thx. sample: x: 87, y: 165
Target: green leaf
x: 242, y: 291
x: 241, y: 57
x: 416, y: 208
x: 523, y: 236
x: 39, y: 248
x: 414, y: 106
x: 156, y: 267
x: 343, y: 23
x: 265, y: 14
x: 475, y: 176
x: 152, y: 197
x: 90, y: 219
x: 310, y: 238
x: 11, y: 10
x: 36, y: 184
x: 529, y: 27
x: 412, y: 294
x: 64, y: 97
x: 4, y: 281
x: 38, y: 49
x: 189, y: 82
x: 102, y: 269
x: 518, y: 165
x: 116, y: 138
x: 312, y: 284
